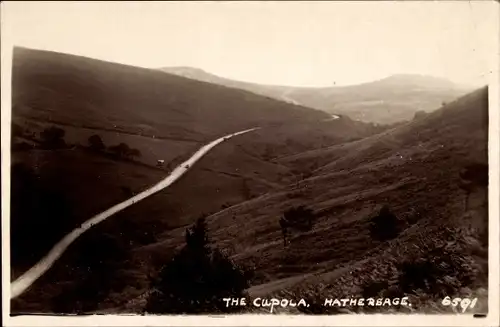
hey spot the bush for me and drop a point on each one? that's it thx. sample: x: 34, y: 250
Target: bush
x: 443, y: 271
x: 123, y: 151
x: 299, y: 217
x: 197, y: 278
x: 53, y: 138
x: 96, y: 143
x: 385, y: 226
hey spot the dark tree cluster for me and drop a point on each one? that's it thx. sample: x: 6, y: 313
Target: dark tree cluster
x: 53, y: 138
x: 119, y: 151
x: 96, y: 143
x: 385, y: 225
x: 197, y: 278
x: 123, y: 151
x: 300, y: 218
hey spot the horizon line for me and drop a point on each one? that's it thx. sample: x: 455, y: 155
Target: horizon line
x: 334, y: 85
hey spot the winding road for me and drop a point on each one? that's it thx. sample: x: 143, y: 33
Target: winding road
x: 28, y: 278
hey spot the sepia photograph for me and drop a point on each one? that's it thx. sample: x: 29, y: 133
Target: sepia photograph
x: 302, y: 159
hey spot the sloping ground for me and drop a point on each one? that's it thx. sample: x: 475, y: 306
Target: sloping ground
x: 414, y: 169
x: 55, y: 190
x: 449, y: 130
x: 392, y: 99
x: 164, y: 117
x: 226, y: 176
x: 62, y: 88
x: 151, y: 149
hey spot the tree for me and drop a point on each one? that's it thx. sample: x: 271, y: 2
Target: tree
x: 96, y: 143
x: 197, y: 278
x: 53, y: 138
x: 385, y: 225
x: 121, y: 150
x: 300, y: 218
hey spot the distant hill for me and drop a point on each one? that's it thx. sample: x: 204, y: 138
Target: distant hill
x: 386, y: 101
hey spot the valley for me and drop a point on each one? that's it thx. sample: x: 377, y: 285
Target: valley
x: 343, y: 169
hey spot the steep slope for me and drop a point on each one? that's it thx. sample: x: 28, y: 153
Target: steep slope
x: 59, y: 182
x: 159, y: 116
x: 273, y: 91
x: 415, y: 169
x: 392, y: 99
x: 68, y: 89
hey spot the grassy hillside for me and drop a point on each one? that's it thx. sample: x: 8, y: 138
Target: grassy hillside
x: 395, y: 98
x: 232, y: 173
x: 59, y: 180
x: 415, y: 170
x: 64, y: 88
x: 385, y: 101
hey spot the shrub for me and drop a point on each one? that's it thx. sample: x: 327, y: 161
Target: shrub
x: 197, y: 278
x: 385, y: 226
x: 299, y: 217
x: 96, y: 143
x: 53, y: 138
x: 443, y: 271
x: 123, y: 151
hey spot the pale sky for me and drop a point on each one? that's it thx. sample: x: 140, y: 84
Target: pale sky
x: 294, y: 43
